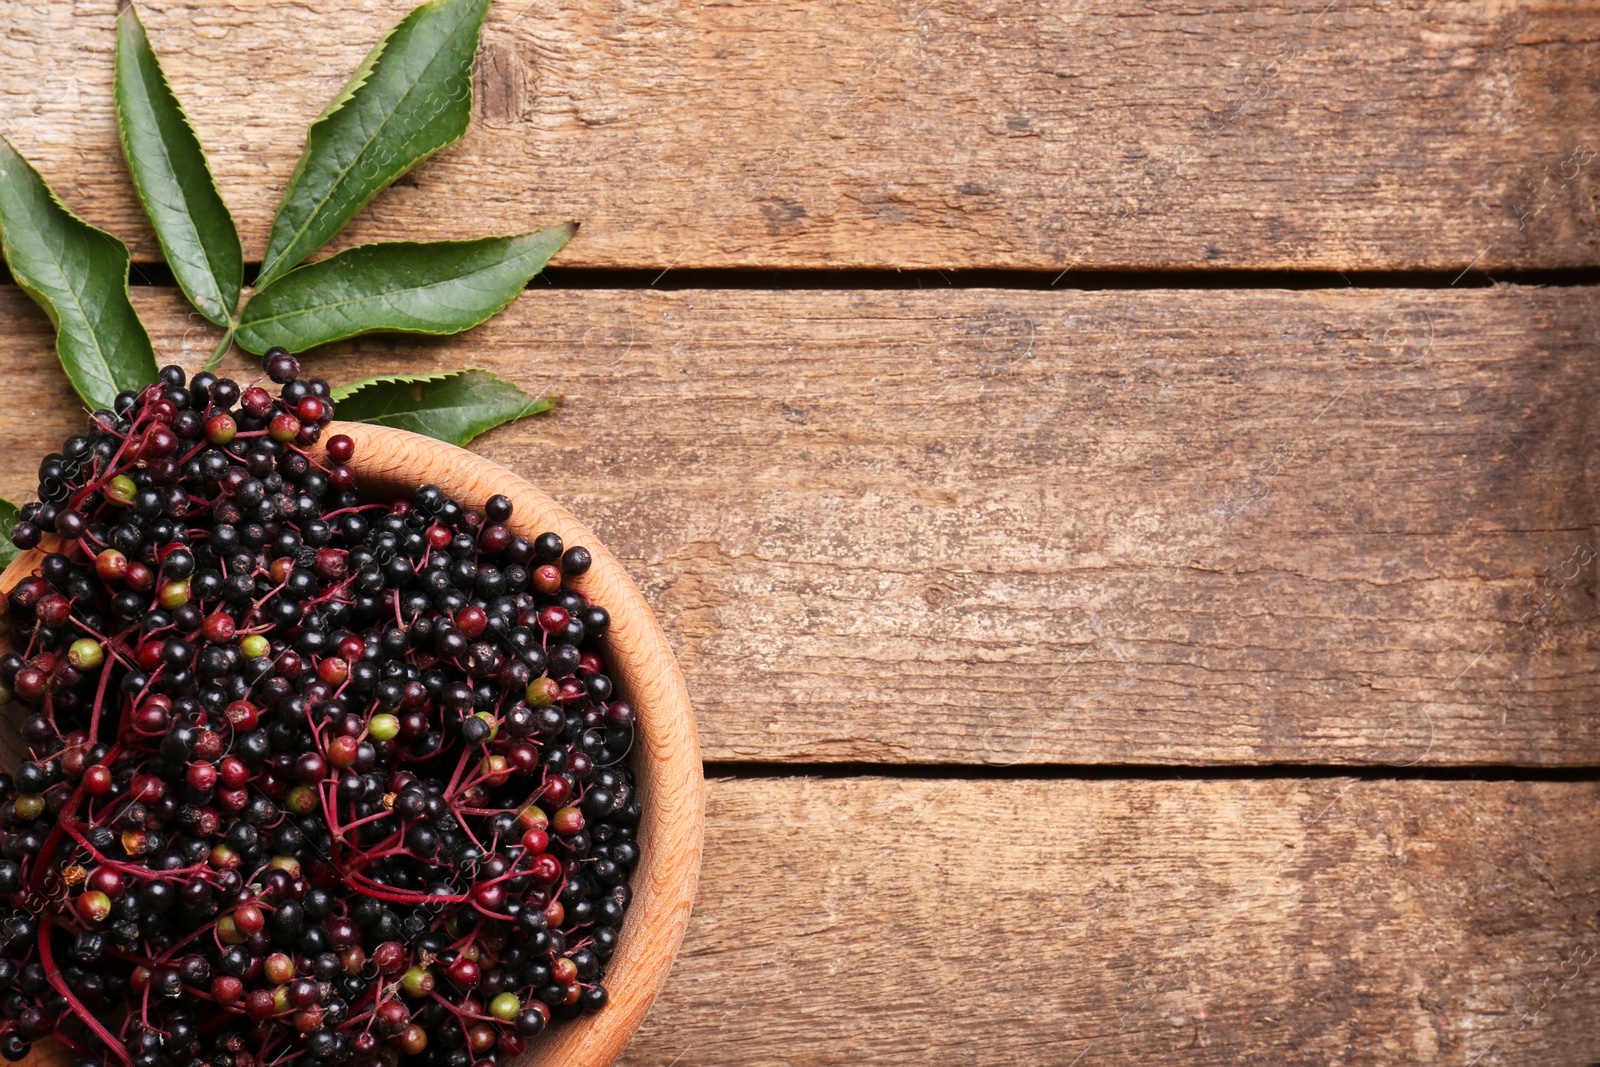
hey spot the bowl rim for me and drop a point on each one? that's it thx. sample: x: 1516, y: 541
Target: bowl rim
x: 666, y: 754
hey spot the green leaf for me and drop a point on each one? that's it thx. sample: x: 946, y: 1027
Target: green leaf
x: 172, y: 179
x: 438, y: 287
x: 453, y: 407
x: 8, y: 519
x: 410, y: 97
x: 79, y: 275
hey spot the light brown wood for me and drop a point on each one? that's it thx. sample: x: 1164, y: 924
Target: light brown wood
x: 1016, y: 527
x: 1274, y: 923
x: 955, y: 134
x: 666, y: 758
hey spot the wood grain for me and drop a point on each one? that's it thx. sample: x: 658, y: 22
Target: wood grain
x: 1020, y: 527
x: 1384, y: 134
x: 1272, y: 922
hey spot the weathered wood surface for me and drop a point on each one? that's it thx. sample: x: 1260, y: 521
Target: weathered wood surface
x: 1030, y: 527
x: 912, y: 133
x: 1275, y: 922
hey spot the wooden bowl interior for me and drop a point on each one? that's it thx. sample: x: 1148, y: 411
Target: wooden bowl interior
x: 665, y: 759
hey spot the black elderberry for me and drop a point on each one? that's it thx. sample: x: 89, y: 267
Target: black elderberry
x: 297, y: 677
x: 280, y: 366
x: 497, y: 508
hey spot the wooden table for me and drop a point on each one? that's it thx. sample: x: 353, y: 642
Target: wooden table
x: 1120, y: 480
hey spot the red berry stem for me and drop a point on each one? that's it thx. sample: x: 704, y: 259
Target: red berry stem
x: 53, y: 975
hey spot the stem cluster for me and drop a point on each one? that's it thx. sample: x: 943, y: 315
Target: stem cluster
x: 310, y: 777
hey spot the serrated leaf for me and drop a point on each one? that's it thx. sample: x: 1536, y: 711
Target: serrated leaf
x: 79, y: 275
x: 8, y: 518
x: 436, y: 287
x: 172, y: 179
x: 410, y: 97
x: 341, y: 393
x: 454, y: 407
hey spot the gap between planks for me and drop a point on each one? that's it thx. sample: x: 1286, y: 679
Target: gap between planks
x: 1144, y: 772
x: 158, y: 275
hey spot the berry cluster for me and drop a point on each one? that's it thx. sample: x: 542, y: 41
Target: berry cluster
x: 308, y: 778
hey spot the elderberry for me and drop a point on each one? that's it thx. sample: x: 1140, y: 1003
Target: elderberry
x: 309, y: 775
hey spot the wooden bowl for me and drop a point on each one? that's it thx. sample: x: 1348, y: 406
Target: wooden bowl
x: 665, y: 757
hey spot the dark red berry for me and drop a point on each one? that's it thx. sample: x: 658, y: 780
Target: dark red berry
x: 546, y: 869
x: 202, y: 776
x: 107, y: 880
x: 471, y: 621
x: 311, y: 768
x: 159, y: 442
x: 226, y: 990
x: 280, y: 366
x: 256, y: 402
x: 260, y: 1005
x: 218, y: 629
x: 233, y: 772
x: 242, y: 716
x: 494, y: 538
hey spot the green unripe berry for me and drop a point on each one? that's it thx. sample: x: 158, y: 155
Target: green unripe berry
x: 86, y: 654
x: 288, y: 864
x: 279, y: 968
x: 301, y: 800
x: 494, y: 723
x: 383, y: 727
x: 495, y: 768
x: 505, y: 1006
x: 417, y: 981
x: 120, y: 490
x: 542, y: 691
x: 254, y: 646
x: 174, y: 594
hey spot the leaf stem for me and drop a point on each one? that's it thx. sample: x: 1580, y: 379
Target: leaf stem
x: 221, y: 350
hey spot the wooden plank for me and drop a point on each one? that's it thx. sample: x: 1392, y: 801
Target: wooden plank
x: 1272, y: 922
x: 1383, y: 134
x: 1031, y: 527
